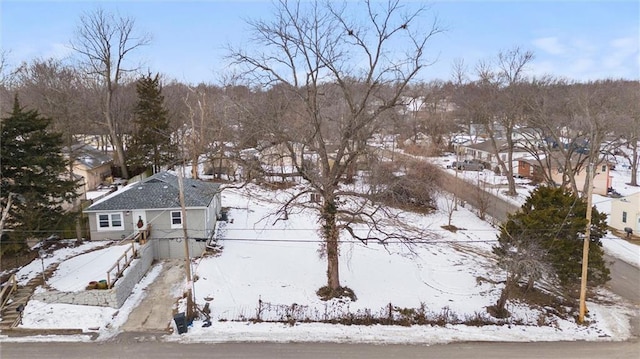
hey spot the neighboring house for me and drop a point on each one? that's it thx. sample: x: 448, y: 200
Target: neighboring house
x: 485, y: 152
x: 275, y: 161
x: 531, y: 168
x: 625, y: 212
x: 278, y: 158
x: 91, y: 164
x: 155, y: 201
x: 219, y: 166
x: 479, y: 130
x: 419, y: 138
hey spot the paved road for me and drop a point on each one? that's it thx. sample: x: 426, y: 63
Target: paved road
x: 625, y: 282
x: 492, y: 205
x: 625, y: 279
x: 158, y: 350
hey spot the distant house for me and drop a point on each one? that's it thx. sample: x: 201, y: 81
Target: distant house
x: 485, y: 152
x: 92, y: 165
x: 275, y: 161
x: 155, y: 202
x: 532, y: 169
x: 625, y: 213
x: 280, y: 158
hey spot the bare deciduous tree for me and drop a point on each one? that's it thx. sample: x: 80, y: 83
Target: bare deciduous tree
x: 571, y: 122
x: 627, y: 126
x: 104, y: 42
x: 342, y: 77
x: 56, y: 90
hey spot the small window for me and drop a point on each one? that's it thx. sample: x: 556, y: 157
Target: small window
x: 604, y: 168
x: 116, y: 220
x: 110, y: 222
x: 103, y: 219
x: 624, y: 217
x: 176, y: 219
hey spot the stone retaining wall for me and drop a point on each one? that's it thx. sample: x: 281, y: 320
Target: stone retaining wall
x: 114, y: 297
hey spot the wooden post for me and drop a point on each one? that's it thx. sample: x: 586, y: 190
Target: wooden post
x: 585, y: 247
x: 190, y: 311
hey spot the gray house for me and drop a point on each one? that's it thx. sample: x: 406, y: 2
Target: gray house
x: 154, y: 203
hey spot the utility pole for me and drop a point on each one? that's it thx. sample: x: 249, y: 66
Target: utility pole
x: 190, y: 312
x: 585, y: 248
x: 455, y: 195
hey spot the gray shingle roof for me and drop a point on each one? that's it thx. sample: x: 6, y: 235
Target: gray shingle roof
x: 88, y: 156
x: 158, y: 191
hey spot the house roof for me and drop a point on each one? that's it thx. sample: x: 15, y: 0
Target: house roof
x: 156, y: 192
x: 486, y: 146
x: 88, y: 156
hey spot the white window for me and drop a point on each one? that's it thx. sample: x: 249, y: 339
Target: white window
x: 176, y: 219
x: 110, y: 222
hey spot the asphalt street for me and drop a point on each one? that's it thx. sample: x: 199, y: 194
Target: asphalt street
x: 129, y: 347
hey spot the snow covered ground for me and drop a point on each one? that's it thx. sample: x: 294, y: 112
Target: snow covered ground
x: 277, y: 262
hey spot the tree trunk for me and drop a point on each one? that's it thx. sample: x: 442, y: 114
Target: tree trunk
x: 331, y: 235
x: 79, y: 225
x: 119, y: 148
x: 509, y: 166
x: 115, y: 140
x: 504, y: 296
x: 194, y: 165
x: 634, y: 163
x: 502, y: 301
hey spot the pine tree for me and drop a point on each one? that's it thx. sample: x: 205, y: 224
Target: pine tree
x: 549, y: 230
x: 151, y: 143
x: 35, y: 171
x: 555, y: 218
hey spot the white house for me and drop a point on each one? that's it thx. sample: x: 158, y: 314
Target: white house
x: 625, y: 212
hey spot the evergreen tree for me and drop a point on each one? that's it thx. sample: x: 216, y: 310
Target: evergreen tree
x: 549, y: 229
x: 151, y: 142
x: 35, y: 171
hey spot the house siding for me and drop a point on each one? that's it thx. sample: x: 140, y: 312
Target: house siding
x: 630, y: 205
x: 160, y: 220
x: 93, y: 176
x: 104, y: 235
x: 153, y: 201
x: 601, y: 181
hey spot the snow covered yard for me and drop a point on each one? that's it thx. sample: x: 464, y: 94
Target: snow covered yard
x: 278, y: 263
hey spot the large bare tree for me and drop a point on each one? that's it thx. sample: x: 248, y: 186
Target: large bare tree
x: 57, y: 91
x: 341, y: 75
x: 570, y: 126
x: 104, y: 42
x: 627, y: 94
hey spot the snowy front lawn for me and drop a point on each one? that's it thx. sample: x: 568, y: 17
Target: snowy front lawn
x: 269, y: 270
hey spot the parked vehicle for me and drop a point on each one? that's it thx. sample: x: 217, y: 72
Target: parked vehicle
x: 468, y: 165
